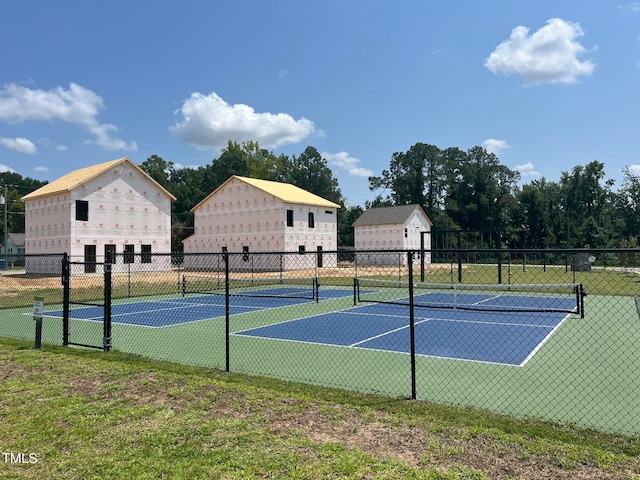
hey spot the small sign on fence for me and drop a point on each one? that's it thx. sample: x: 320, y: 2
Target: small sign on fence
x: 38, y: 309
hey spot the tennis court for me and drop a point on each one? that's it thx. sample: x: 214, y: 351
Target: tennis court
x: 508, y: 336
x: 501, y: 326
x: 195, y: 307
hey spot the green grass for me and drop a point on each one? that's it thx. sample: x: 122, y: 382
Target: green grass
x: 85, y: 414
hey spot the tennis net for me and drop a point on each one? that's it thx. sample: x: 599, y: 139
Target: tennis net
x: 293, y: 288
x: 568, y: 298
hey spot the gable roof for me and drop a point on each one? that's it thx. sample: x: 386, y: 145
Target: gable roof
x: 71, y: 180
x: 284, y: 191
x: 16, y: 238
x: 388, y: 215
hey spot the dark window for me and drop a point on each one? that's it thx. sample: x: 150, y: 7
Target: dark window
x: 301, y: 249
x: 145, y: 253
x: 110, y: 253
x: 82, y: 210
x: 406, y: 232
x: 90, y: 259
x: 289, y: 218
x: 328, y: 212
x: 311, y: 220
x: 245, y: 253
x: 224, y: 249
x: 129, y: 251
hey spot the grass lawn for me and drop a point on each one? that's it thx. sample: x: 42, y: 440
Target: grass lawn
x: 73, y: 413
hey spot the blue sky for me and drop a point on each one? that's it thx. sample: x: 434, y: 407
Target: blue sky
x: 545, y: 85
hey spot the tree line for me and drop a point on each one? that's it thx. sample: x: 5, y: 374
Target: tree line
x: 471, y: 190
x: 459, y: 191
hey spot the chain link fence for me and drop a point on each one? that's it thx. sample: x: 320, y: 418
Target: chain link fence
x: 550, y: 334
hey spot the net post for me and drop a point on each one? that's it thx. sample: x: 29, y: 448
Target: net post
x: 356, y: 290
x: 316, y: 288
x: 455, y: 296
x: 581, y: 301
x: 355, y: 264
x: 184, y: 285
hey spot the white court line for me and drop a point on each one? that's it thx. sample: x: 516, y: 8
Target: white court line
x: 544, y: 340
x: 389, y: 332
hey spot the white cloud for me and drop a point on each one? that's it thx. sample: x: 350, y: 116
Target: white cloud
x: 47, y: 143
x: 42, y: 169
x: 346, y: 162
x: 527, y: 170
x: 494, y: 146
x: 549, y: 55
x: 180, y: 166
x: 77, y: 105
x: 104, y: 140
x: 210, y: 122
x: 634, y: 170
x: 22, y: 145
x: 633, y: 6
x: 5, y: 168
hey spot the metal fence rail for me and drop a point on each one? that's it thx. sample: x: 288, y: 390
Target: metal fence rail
x: 550, y: 334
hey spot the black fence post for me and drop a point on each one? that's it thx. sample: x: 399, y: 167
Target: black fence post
x: 422, y: 256
x: 412, y: 332
x: 66, y: 282
x: 106, y: 341
x: 227, y: 310
x: 459, y: 246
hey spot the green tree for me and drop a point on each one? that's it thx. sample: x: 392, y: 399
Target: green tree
x: 310, y: 172
x: 16, y: 187
x: 586, y: 200
x: 627, y: 208
x: 414, y: 177
x: 481, y: 191
x: 233, y: 160
x: 346, y: 217
x: 532, y: 221
x: 160, y: 170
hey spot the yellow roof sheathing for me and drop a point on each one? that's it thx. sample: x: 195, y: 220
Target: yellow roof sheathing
x: 284, y: 191
x: 74, y: 179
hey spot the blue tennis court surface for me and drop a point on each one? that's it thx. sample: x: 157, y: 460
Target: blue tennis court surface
x: 494, y: 337
x: 191, y: 308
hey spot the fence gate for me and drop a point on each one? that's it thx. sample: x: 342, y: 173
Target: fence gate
x: 86, y: 317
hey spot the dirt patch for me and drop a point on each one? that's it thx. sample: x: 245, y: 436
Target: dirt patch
x: 13, y: 283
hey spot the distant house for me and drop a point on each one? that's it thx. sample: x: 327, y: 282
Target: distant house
x: 13, y: 252
x: 90, y: 213
x: 248, y: 215
x: 391, y: 228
